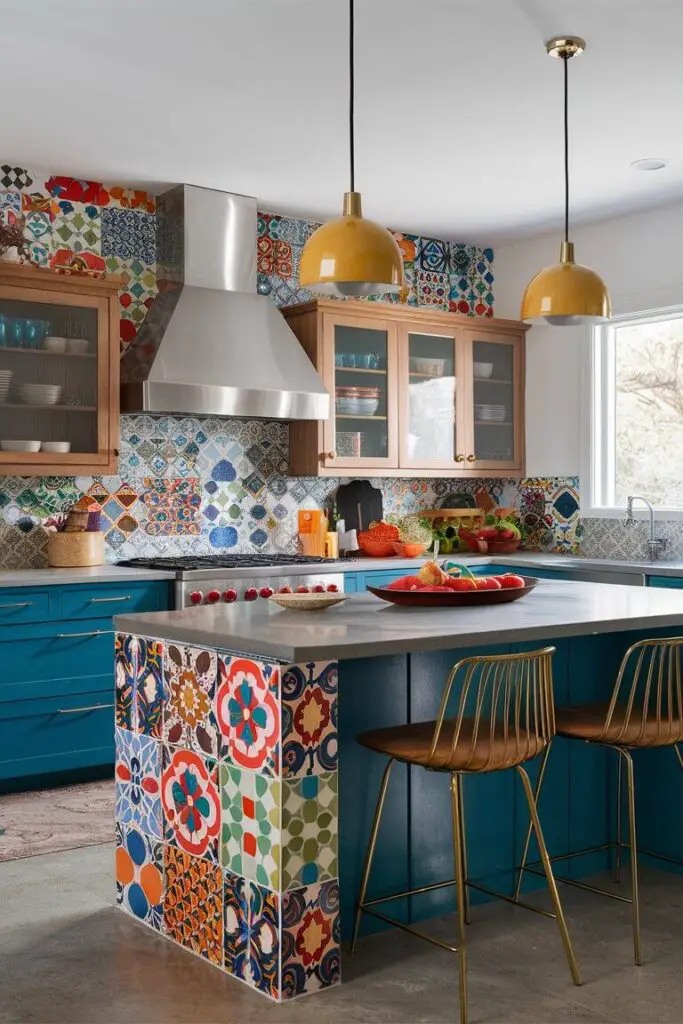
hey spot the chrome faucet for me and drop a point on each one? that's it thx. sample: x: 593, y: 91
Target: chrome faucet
x: 655, y: 545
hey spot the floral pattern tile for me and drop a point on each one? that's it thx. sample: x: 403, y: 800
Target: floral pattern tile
x: 310, y: 812
x: 149, y: 687
x: 77, y: 226
x: 193, y: 904
x: 191, y: 802
x: 138, y: 782
x: 309, y: 718
x: 248, y: 713
x: 311, y: 935
x: 140, y: 875
x: 125, y: 667
x: 128, y: 233
x: 250, y: 830
x: 251, y: 934
x: 172, y: 506
x: 190, y: 685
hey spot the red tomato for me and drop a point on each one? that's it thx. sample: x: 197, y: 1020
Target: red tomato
x: 488, y: 583
x: 506, y: 534
x: 285, y: 590
x: 303, y: 590
x: 435, y: 590
x: 462, y: 583
x: 487, y: 533
x: 406, y: 583
x: 511, y: 581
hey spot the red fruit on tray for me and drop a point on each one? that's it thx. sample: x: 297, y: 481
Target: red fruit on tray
x: 285, y: 590
x: 488, y: 583
x: 461, y: 583
x: 406, y: 583
x: 435, y: 590
x: 303, y: 590
x: 511, y: 581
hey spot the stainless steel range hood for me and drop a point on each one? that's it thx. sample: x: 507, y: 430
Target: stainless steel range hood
x: 209, y: 344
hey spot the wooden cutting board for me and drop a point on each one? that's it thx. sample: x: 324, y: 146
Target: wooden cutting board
x: 359, y: 504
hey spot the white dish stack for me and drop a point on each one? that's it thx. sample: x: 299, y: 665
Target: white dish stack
x: 490, y: 413
x: 5, y: 382
x: 39, y: 394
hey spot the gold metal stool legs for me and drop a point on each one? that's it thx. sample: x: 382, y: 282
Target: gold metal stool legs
x: 459, y: 853
x: 371, y: 850
x: 635, y: 892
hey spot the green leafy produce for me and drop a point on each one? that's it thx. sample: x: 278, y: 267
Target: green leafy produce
x: 413, y: 528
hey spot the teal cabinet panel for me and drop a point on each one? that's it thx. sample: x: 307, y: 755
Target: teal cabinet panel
x: 350, y: 581
x: 55, y: 662
x: 672, y: 582
x: 381, y: 579
x: 28, y: 605
x: 86, y: 602
x: 56, y: 734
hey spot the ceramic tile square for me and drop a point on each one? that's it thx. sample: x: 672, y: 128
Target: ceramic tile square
x: 140, y: 875
x: 190, y: 684
x: 191, y: 802
x: 247, y: 709
x: 251, y: 934
x: 236, y: 925
x: 125, y: 667
x: 172, y: 505
x: 309, y: 718
x: 311, y: 934
x: 250, y: 829
x: 75, y: 190
x: 137, y: 775
x: 15, y: 177
x: 434, y: 255
x: 310, y: 811
x: 149, y: 687
x: 128, y: 234
x: 193, y: 904
x: 77, y: 226
x: 432, y: 288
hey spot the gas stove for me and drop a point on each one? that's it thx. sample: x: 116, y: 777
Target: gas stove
x: 210, y: 579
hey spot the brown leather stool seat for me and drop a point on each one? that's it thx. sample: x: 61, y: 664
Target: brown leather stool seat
x: 489, y: 753
x: 587, y: 722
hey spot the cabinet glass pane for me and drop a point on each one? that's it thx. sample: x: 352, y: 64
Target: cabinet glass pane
x: 494, y: 395
x: 431, y: 398
x: 48, y: 374
x: 360, y: 377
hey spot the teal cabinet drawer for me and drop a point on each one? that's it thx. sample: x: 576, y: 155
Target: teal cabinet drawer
x: 350, y: 582
x: 26, y: 605
x: 56, y: 734
x: 58, y: 658
x: 672, y: 582
x: 107, y: 600
x: 380, y: 579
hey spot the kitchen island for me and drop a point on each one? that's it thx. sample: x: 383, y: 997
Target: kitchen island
x: 232, y: 722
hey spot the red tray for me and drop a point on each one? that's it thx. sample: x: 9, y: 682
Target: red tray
x: 457, y: 599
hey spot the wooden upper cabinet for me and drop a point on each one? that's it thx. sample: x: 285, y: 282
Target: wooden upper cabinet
x: 82, y: 406
x: 414, y: 392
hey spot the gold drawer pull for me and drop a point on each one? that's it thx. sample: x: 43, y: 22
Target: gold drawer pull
x: 19, y: 604
x: 459, y: 458
x: 94, y: 632
x: 89, y: 707
x: 471, y: 458
x: 105, y: 600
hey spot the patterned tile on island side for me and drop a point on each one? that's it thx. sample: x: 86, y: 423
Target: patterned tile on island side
x: 149, y: 687
x: 140, y: 875
x: 250, y: 825
x: 309, y: 719
x: 191, y: 802
x: 251, y: 930
x: 310, y: 937
x: 137, y: 775
x: 248, y: 714
x: 310, y: 812
x: 193, y: 904
x: 125, y: 662
x: 190, y: 691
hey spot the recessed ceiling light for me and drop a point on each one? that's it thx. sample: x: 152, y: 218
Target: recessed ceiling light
x: 650, y: 163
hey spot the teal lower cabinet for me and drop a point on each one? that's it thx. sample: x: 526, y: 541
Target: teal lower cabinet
x: 673, y: 582
x: 57, y: 673
x: 357, y: 582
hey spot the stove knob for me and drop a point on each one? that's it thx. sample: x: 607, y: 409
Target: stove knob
x: 285, y: 590
x: 229, y: 596
x: 318, y: 588
x: 265, y: 592
x: 332, y: 588
x: 196, y: 597
x: 250, y: 594
x: 303, y: 590
x: 213, y: 596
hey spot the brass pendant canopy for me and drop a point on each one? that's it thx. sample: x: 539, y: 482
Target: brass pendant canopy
x: 566, y: 294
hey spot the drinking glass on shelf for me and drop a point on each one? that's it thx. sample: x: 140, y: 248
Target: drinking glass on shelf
x: 35, y: 331
x: 4, y: 330
x: 17, y: 335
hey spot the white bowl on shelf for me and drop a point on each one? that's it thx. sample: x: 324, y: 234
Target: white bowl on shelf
x: 20, y: 446
x: 428, y: 367
x: 77, y: 346
x: 483, y: 370
x: 53, y: 343
x: 357, y: 406
x: 55, y: 447
x: 39, y: 394
x: 490, y: 413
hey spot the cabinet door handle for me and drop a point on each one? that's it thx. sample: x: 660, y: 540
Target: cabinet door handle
x: 94, y: 632
x: 19, y: 604
x: 88, y: 707
x: 471, y: 458
x: 459, y: 458
x: 327, y: 455
x: 106, y: 600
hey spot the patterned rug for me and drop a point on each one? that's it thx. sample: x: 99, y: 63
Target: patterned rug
x: 49, y: 820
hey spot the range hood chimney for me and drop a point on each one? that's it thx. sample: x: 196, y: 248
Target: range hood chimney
x: 209, y: 344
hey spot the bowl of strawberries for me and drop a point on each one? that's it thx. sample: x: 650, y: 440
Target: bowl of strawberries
x: 433, y: 587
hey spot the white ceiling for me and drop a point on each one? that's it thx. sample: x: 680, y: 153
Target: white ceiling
x: 458, y: 107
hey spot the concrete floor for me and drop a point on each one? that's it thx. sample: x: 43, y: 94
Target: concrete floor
x: 67, y: 956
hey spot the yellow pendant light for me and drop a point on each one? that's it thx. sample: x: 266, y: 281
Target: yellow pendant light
x: 351, y: 256
x: 567, y: 293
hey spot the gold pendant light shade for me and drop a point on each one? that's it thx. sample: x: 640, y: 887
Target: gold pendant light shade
x: 566, y: 294
x: 351, y: 256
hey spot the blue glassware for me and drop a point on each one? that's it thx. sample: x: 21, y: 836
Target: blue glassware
x: 4, y: 331
x: 17, y: 327
x: 33, y: 333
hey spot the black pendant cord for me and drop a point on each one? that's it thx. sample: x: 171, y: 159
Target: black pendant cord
x: 565, y: 61
x: 352, y: 146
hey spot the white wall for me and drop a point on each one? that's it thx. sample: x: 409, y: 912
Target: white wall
x: 640, y: 257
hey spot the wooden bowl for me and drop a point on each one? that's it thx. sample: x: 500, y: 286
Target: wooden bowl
x: 408, y: 550
x: 307, y: 602
x: 456, y: 599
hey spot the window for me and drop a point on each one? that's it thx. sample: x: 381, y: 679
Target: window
x: 637, y: 411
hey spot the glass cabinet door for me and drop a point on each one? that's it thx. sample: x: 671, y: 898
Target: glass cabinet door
x: 361, y: 366
x: 51, y: 345
x: 496, y: 402
x: 432, y: 422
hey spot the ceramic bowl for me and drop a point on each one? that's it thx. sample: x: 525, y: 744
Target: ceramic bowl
x: 56, y: 447
x: 54, y: 344
x: 483, y: 370
x: 39, y: 394
x: 408, y: 550
x: 77, y: 346
x: 20, y: 446
x: 307, y: 602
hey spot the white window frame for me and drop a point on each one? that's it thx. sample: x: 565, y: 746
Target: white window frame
x: 597, y: 476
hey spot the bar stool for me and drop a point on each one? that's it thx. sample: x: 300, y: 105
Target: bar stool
x: 645, y: 710
x: 505, y: 717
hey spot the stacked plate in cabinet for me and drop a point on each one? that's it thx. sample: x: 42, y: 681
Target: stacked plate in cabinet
x: 353, y: 401
x: 5, y: 382
x: 490, y: 413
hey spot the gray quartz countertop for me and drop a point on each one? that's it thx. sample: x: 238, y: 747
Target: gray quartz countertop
x: 87, y: 574
x: 365, y: 626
